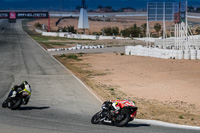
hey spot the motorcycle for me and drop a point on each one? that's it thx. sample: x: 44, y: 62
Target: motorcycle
x: 119, y: 119
x: 15, y: 102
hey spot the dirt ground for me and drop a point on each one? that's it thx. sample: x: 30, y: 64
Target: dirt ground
x: 96, y: 23
x: 166, y: 90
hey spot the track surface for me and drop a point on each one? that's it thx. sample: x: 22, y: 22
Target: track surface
x: 59, y: 102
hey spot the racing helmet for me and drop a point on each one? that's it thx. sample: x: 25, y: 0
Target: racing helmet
x: 25, y: 82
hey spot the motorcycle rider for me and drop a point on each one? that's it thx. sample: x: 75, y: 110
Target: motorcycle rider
x: 23, y: 88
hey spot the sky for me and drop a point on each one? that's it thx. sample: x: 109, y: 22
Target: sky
x: 72, y: 4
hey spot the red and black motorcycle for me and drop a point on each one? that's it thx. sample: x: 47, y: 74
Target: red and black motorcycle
x: 119, y: 119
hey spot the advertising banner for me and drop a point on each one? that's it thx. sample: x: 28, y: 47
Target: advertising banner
x: 12, y: 15
x: 32, y: 14
x: 4, y: 15
x: 159, y: 11
x: 167, y: 11
x: 23, y: 15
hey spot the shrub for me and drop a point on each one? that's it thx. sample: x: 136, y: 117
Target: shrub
x: 197, y: 30
x: 122, y: 53
x: 72, y: 56
x: 63, y: 55
x: 181, y: 117
x: 67, y: 29
x: 132, y: 31
x: 157, y: 28
x: 109, y: 31
x: 38, y: 25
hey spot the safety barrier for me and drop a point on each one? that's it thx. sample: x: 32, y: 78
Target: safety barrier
x: 76, y: 48
x: 162, y: 53
x: 78, y: 36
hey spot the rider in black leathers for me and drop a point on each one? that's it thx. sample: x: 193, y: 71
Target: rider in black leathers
x: 24, y: 87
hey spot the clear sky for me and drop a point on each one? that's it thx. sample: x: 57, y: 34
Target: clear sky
x: 71, y: 4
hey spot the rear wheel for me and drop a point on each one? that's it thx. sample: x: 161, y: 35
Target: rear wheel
x: 96, y: 118
x: 122, y: 119
x: 16, y: 103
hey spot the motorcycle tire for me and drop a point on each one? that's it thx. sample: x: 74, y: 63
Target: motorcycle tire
x: 124, y: 119
x: 96, y: 118
x: 17, y: 104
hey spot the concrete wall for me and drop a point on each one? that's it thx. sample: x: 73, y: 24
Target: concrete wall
x: 77, y: 36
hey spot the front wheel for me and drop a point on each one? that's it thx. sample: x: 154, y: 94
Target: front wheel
x: 96, y: 118
x: 122, y: 119
x: 4, y: 104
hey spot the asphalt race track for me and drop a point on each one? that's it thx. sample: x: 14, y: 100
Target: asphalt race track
x: 60, y: 103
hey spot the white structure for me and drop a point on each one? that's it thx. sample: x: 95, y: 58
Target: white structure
x: 77, y: 47
x: 162, y: 53
x: 83, y: 20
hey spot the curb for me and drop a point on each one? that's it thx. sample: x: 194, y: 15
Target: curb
x: 165, y: 124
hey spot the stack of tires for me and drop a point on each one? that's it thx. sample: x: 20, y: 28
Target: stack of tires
x: 193, y: 54
x: 198, y: 54
x: 186, y: 54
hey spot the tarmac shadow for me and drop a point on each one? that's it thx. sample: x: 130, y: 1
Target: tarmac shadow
x: 129, y: 125
x: 137, y: 125
x: 33, y: 108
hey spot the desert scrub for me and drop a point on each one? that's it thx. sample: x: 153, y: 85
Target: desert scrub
x: 180, y: 117
x: 61, y: 56
x: 70, y: 56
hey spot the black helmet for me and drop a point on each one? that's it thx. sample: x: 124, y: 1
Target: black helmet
x: 25, y: 82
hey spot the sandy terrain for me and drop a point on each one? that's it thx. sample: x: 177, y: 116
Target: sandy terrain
x: 95, y: 25
x: 120, y: 22
x: 151, y: 78
x: 166, y: 90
